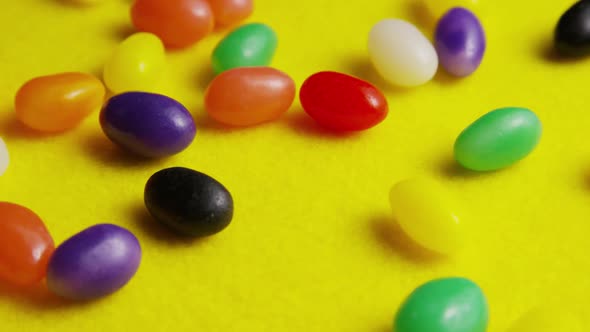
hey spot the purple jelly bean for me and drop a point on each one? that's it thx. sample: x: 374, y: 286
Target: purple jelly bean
x: 93, y: 263
x: 460, y: 42
x: 148, y: 124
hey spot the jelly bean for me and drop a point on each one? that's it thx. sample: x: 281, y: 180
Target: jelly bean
x: 437, y: 8
x: 498, y: 139
x: 147, y: 124
x: 4, y: 157
x: 572, y: 34
x: 25, y: 245
x: 250, y: 95
x: 401, y: 53
x: 137, y: 64
x: 460, y: 42
x: 547, y: 319
x: 427, y: 214
x: 179, y: 23
x: 250, y: 45
x: 189, y: 202
x: 95, y: 262
x: 444, y: 305
x: 228, y: 12
x: 342, y: 102
x: 58, y: 102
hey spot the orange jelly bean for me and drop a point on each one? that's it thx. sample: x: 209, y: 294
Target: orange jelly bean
x: 229, y: 12
x: 247, y: 96
x: 178, y: 23
x: 58, y: 102
x: 25, y: 245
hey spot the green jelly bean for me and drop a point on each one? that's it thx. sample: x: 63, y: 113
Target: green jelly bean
x: 498, y: 139
x: 250, y: 45
x: 444, y: 305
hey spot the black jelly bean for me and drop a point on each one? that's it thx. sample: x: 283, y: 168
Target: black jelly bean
x: 572, y: 34
x: 190, y: 202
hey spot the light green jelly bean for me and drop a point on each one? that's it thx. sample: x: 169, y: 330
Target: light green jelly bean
x: 498, y: 139
x: 444, y: 305
x: 250, y: 45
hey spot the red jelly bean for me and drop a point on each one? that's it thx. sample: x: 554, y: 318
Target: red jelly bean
x: 25, y: 245
x: 342, y: 102
x: 228, y: 12
x: 249, y: 95
x: 178, y: 23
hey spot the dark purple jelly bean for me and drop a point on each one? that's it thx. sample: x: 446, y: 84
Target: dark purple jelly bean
x: 148, y: 124
x: 460, y: 42
x: 93, y: 263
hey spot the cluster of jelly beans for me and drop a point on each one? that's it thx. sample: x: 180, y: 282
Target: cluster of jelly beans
x: 103, y: 258
x: 93, y: 263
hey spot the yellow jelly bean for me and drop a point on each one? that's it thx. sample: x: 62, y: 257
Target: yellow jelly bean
x: 426, y: 214
x: 137, y: 64
x: 437, y: 8
x: 547, y: 320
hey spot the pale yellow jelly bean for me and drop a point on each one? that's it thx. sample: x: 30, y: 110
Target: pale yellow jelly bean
x: 437, y: 8
x: 401, y: 54
x: 4, y: 158
x: 547, y: 319
x: 137, y: 64
x: 427, y: 214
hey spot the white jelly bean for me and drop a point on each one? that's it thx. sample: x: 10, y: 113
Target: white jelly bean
x: 401, y: 53
x: 4, y: 159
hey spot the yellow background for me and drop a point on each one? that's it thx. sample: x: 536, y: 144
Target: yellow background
x: 312, y: 246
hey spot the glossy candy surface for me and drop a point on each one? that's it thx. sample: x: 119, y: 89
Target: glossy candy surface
x: 444, y: 305
x: 498, y: 139
x: 438, y: 8
x: 401, y: 53
x: 93, y: 263
x: 58, y: 102
x: 427, y: 214
x: 25, y: 245
x: 228, y: 12
x: 341, y: 102
x: 460, y: 42
x: 137, y: 64
x: 147, y: 124
x: 249, y: 45
x: 250, y: 95
x: 572, y: 34
x: 189, y: 202
x: 4, y: 157
x: 179, y: 23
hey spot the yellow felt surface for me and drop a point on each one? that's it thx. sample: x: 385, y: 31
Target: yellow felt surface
x: 312, y: 246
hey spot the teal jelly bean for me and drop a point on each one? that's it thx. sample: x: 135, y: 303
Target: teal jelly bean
x: 498, y: 139
x: 250, y: 45
x: 444, y: 305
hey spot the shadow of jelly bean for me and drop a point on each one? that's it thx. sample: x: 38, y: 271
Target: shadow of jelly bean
x: 97, y: 146
x: 392, y: 238
x: 159, y: 232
